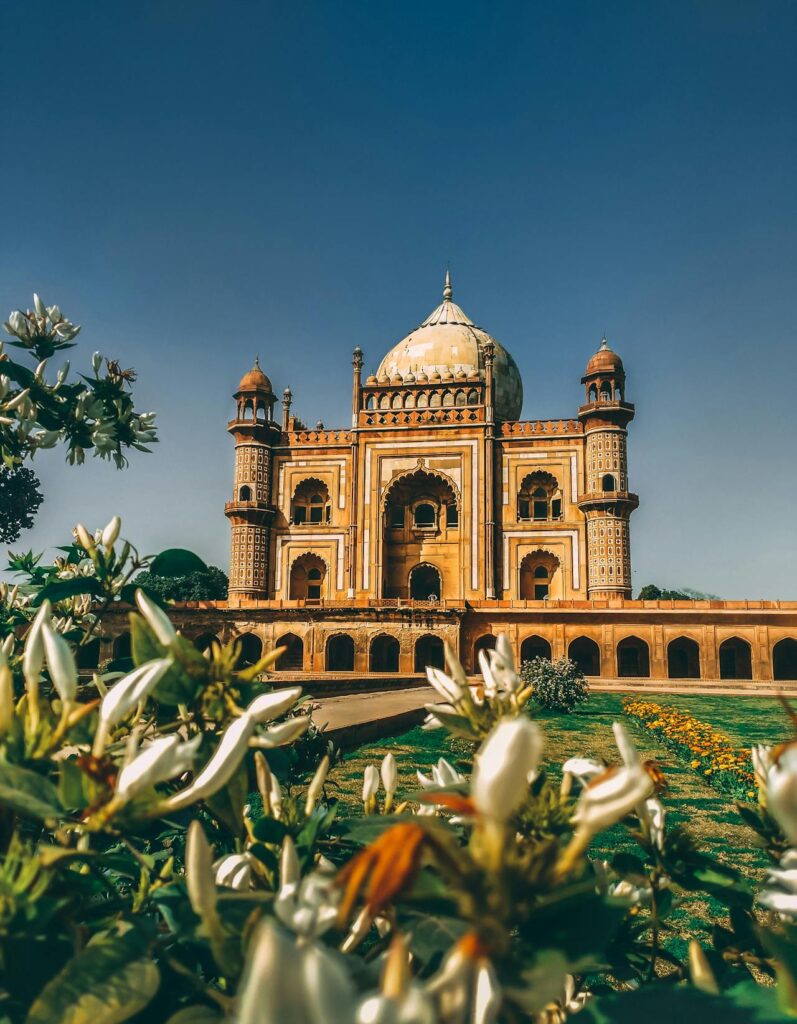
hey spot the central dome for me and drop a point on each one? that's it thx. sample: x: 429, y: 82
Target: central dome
x: 448, y: 342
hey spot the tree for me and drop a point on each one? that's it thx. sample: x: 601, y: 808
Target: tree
x: 653, y: 593
x: 20, y: 498
x: 210, y: 585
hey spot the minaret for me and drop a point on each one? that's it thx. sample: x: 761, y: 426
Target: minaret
x: 251, y: 512
x: 607, y: 503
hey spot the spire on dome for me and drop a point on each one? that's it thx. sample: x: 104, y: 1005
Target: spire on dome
x: 604, y: 344
x: 448, y: 291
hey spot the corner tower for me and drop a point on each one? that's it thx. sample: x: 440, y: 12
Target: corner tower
x: 607, y: 503
x: 251, y: 512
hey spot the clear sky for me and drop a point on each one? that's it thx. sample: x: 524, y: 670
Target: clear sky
x: 197, y: 181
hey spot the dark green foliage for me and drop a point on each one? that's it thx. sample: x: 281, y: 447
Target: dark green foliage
x: 20, y: 498
x: 558, y: 685
x: 653, y: 593
x: 208, y: 585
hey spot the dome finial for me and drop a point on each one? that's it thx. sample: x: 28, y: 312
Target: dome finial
x: 257, y: 360
x: 604, y: 343
x: 448, y: 291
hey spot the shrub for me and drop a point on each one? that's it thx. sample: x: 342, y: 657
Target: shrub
x: 556, y: 685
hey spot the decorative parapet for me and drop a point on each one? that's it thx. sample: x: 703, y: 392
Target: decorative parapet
x: 313, y: 438
x: 525, y: 428
x: 416, y: 417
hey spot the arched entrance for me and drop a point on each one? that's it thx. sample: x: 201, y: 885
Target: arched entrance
x: 537, y: 573
x: 429, y: 652
x: 293, y: 658
x: 122, y: 647
x: 250, y: 649
x: 88, y: 655
x: 633, y: 657
x: 683, y: 658
x: 205, y: 641
x: 426, y: 583
x: 784, y: 659
x: 586, y: 654
x: 534, y: 647
x: 735, y: 659
x: 486, y: 642
x: 308, y: 573
x: 340, y: 653
x: 384, y: 654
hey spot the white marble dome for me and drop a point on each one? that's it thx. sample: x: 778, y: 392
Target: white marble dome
x: 448, y: 342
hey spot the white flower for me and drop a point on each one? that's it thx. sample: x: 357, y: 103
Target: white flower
x: 234, y: 871
x: 634, y: 893
x: 781, y: 893
x: 653, y: 813
x: 502, y: 765
x: 448, y: 689
x: 33, y: 656
x: 389, y: 773
x: 370, y: 784
x: 442, y: 775
x: 164, y: 758
x: 157, y: 619
x: 498, y: 669
x: 60, y: 663
x: 614, y: 794
x: 316, y: 787
x: 136, y: 686
x: 83, y: 537
x: 782, y: 792
x: 308, y: 906
x: 583, y: 768
x: 225, y: 760
x: 6, y: 696
x: 288, y: 983
x: 111, y: 532
x: 466, y: 988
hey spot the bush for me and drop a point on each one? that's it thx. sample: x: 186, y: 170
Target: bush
x: 557, y: 685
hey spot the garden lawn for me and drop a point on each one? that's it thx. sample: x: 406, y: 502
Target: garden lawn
x: 710, y: 816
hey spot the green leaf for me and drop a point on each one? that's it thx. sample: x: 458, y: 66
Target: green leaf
x: 71, y: 790
x: 228, y: 803
x: 177, y: 562
x: 176, y: 686
x: 28, y: 793
x: 746, y: 1003
x: 269, y: 830
x: 195, y: 1015
x: 110, y: 981
x: 60, y: 589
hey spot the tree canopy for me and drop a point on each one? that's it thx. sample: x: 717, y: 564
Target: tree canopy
x: 209, y: 585
x: 20, y: 498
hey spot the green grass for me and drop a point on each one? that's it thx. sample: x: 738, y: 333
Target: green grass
x: 710, y: 817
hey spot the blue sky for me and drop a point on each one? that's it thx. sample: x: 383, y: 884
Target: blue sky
x: 198, y: 181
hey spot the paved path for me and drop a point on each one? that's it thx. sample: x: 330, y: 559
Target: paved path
x: 358, y: 708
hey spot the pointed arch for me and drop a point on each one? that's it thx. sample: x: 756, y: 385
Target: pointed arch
x: 415, y: 475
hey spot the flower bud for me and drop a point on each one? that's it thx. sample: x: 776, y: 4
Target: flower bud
x: 502, y: 766
x: 60, y: 663
x: 33, y: 657
x: 316, y: 787
x: 199, y: 872
x: 83, y: 537
x: 157, y: 619
x: 96, y: 362
x: 6, y: 698
x: 370, y: 784
x: 111, y: 532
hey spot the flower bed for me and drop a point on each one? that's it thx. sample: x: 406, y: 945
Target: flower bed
x: 707, y: 751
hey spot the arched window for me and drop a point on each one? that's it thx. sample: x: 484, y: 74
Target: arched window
x: 608, y: 482
x: 459, y: 398
x: 205, y: 641
x: 426, y: 583
x: 534, y: 647
x: 429, y: 652
x: 586, y: 654
x: 423, y: 401
x: 452, y: 515
x: 311, y: 503
x: 88, y: 655
x: 384, y: 654
x: 537, y: 572
x: 735, y: 659
x: 397, y: 402
x: 435, y: 401
x: 473, y: 397
x: 250, y: 649
x: 384, y: 402
x: 593, y: 393
x: 606, y: 391
x: 683, y: 658
x: 633, y: 658
x: 448, y: 399
x: 618, y: 392
x: 425, y: 516
x: 307, y: 577
x: 370, y: 402
x: 249, y: 412
x: 486, y: 642
x: 122, y: 647
x: 340, y: 653
x: 409, y: 401
x: 784, y: 659
x: 292, y: 660
x: 245, y: 493
x: 539, y: 498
